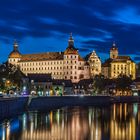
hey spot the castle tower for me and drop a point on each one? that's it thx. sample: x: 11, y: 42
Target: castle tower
x: 15, y: 55
x: 113, y: 51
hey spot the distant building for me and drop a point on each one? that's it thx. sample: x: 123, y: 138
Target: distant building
x: 67, y: 65
x: 118, y: 65
x: 94, y: 64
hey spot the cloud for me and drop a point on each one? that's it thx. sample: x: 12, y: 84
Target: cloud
x: 96, y: 23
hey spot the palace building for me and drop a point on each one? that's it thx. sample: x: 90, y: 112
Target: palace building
x: 118, y: 65
x: 67, y: 65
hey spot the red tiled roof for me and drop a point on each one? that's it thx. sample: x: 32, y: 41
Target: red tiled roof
x: 42, y: 56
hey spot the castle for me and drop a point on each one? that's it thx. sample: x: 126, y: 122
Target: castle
x: 67, y: 65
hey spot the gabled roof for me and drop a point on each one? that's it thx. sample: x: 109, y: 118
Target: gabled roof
x: 121, y: 59
x: 42, y: 56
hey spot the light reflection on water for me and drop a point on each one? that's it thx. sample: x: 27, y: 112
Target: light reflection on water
x: 117, y: 122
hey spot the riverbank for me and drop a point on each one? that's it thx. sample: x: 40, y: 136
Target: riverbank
x: 17, y: 105
x: 45, y: 103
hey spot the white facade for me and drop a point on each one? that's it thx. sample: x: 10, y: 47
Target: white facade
x: 95, y: 64
x: 61, y: 65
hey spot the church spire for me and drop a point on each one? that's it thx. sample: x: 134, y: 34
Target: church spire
x: 114, y: 44
x: 15, y: 45
x: 71, y: 41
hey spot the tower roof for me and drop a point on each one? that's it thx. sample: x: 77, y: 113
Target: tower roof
x: 15, y: 53
x: 71, y: 49
x: 71, y: 41
x: 114, y: 47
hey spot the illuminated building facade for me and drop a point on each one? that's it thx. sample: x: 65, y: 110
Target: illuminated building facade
x: 95, y: 64
x: 118, y: 65
x: 61, y: 65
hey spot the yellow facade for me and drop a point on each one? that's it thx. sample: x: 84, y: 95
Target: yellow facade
x: 127, y: 68
x: 118, y: 65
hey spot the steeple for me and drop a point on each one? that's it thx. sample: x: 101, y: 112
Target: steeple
x: 114, y: 44
x: 71, y: 41
x: 15, y: 46
x: 114, y: 51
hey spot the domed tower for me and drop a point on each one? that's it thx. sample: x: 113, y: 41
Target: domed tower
x: 15, y: 55
x: 71, y: 57
x: 113, y: 51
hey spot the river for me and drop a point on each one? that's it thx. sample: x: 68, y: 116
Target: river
x: 115, y: 122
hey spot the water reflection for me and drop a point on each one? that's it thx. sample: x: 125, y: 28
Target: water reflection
x: 117, y: 122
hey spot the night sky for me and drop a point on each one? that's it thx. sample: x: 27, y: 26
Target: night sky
x: 45, y: 25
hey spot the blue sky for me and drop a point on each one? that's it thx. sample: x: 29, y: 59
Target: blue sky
x: 45, y: 25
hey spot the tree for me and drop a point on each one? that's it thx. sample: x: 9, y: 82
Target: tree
x: 98, y: 83
x: 123, y: 83
x: 10, y: 76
